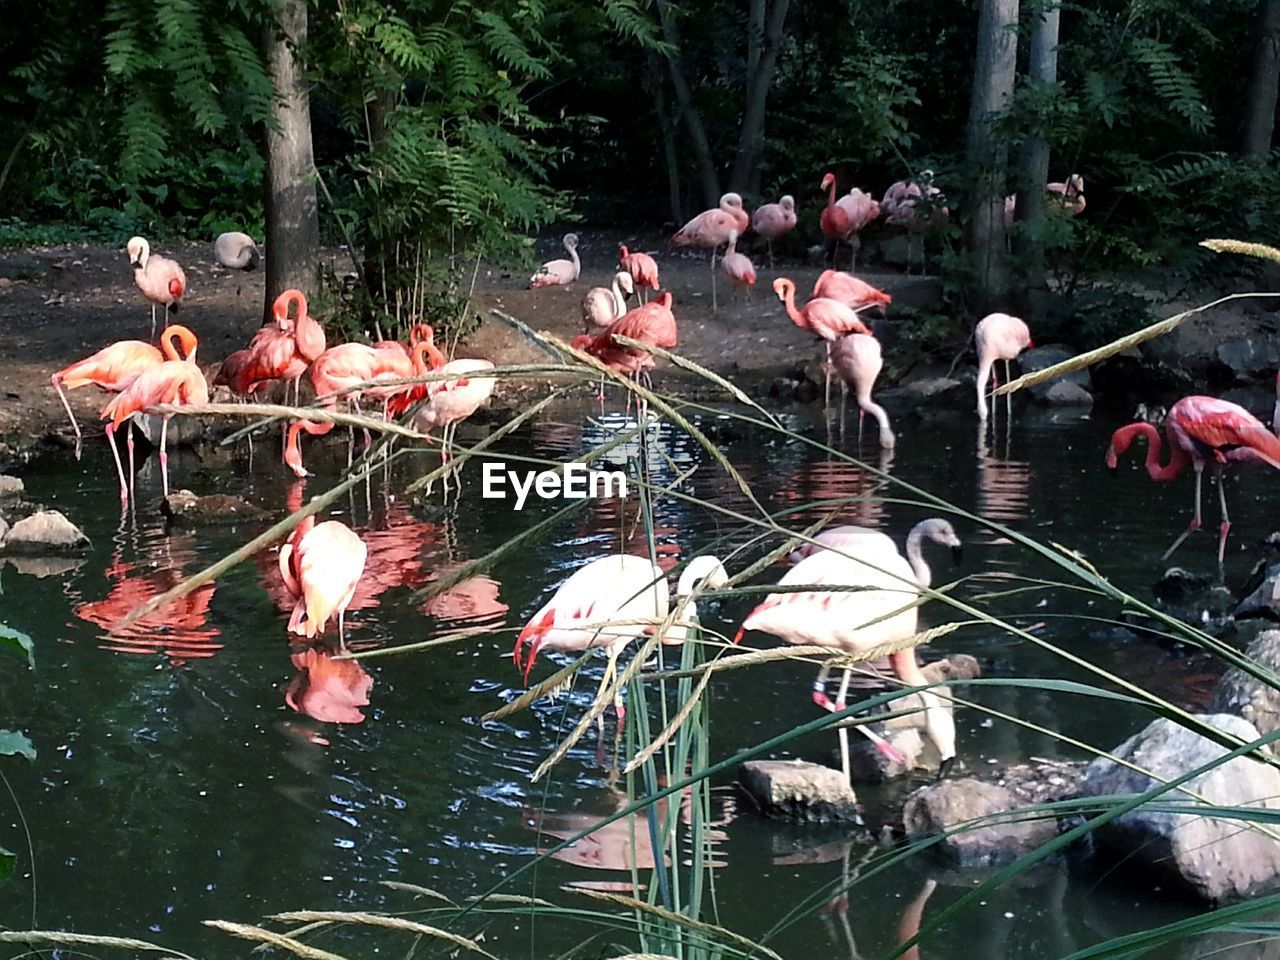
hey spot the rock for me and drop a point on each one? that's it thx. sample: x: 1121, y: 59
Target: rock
x: 185, y: 507
x: 1213, y: 858
x: 815, y: 372
x: 1264, y: 602
x: 1247, y: 356
x: 1043, y: 781
x: 930, y: 391
x: 1065, y: 394
x: 958, y: 666
x: 782, y: 388
x: 11, y: 488
x: 795, y: 790
x: 1039, y: 358
x: 4, y: 529
x: 1246, y: 696
x: 1179, y: 584
x: 807, y: 392
x: 45, y: 532
x: 946, y: 805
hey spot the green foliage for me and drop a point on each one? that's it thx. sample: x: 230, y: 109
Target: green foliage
x: 18, y: 644
x: 447, y: 166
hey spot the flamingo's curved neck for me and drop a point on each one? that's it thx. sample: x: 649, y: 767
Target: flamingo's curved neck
x: 920, y: 569
x: 1178, y: 458
x: 789, y: 301
x: 831, y: 193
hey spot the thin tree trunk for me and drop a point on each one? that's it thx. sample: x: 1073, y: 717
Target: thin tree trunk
x: 1260, y: 99
x: 746, y: 165
x: 667, y: 128
x: 755, y: 39
x: 988, y: 154
x: 293, y: 224
x: 1033, y: 163
x: 684, y: 99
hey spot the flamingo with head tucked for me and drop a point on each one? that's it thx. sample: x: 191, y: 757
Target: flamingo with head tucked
x: 158, y: 278
x: 1201, y: 430
x: 642, y: 268
x: 774, y: 220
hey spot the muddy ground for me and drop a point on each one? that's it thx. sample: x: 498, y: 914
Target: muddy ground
x: 58, y: 305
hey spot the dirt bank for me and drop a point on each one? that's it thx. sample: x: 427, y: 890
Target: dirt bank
x: 60, y: 304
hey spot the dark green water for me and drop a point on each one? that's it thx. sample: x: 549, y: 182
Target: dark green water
x: 174, y: 784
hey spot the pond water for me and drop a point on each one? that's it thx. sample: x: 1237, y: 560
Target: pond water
x: 183, y: 774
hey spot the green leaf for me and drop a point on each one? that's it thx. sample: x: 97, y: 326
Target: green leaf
x: 12, y: 742
x: 17, y: 643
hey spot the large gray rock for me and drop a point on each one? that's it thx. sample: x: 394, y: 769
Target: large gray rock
x: 1264, y: 601
x: 1040, y: 358
x: 1211, y: 857
x: 795, y: 790
x: 1248, y: 356
x: 183, y: 431
x: 951, y: 804
x: 185, y: 507
x: 11, y: 488
x: 45, y: 532
x: 1064, y: 394
x: 930, y: 391
x: 1245, y: 695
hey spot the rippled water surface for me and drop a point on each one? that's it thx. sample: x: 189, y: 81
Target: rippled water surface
x: 195, y: 766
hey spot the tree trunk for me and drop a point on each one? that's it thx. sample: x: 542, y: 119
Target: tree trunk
x: 667, y: 128
x: 293, y: 224
x: 1260, y: 99
x: 746, y: 165
x: 988, y: 154
x: 684, y: 100
x: 1033, y: 164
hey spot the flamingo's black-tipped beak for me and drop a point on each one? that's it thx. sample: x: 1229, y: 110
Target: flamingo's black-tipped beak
x: 957, y: 554
x: 945, y: 768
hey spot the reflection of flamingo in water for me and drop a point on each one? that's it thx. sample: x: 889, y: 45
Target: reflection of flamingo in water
x: 1003, y: 484
x: 626, y: 843
x: 833, y: 481
x: 327, y: 689
x: 180, y: 631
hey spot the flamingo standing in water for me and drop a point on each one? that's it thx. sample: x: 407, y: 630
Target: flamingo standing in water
x: 116, y: 366
x: 1201, y: 430
x: 998, y: 336
x: 774, y: 220
x: 710, y: 229
x: 558, y: 273
x: 858, y: 362
x: 158, y: 278
x: 849, y: 290
x: 829, y: 319
x: 642, y: 268
x: 607, y: 604
x: 171, y: 382
x: 737, y: 266
x: 321, y: 565
x: 452, y: 401
x: 850, y: 621
x: 603, y: 305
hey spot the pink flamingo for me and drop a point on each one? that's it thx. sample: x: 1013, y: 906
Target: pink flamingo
x: 774, y: 220
x: 653, y: 323
x: 849, y: 290
x: 858, y: 362
x: 1201, y: 430
x: 321, y: 565
x: 116, y: 366
x: 642, y: 268
x: 998, y: 336
x: 848, y: 621
x: 283, y: 349
x: 326, y: 688
x: 558, y: 273
x: 453, y: 400
x: 171, y: 382
x: 1069, y: 196
x: 917, y: 206
x: 829, y: 319
x: 710, y: 229
x: 737, y: 266
x: 158, y: 278
x: 842, y: 219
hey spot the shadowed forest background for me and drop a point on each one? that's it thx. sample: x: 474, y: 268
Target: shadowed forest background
x: 445, y: 132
